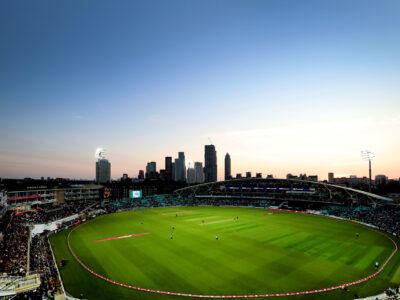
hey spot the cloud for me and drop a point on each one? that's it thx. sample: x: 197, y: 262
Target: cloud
x: 79, y: 117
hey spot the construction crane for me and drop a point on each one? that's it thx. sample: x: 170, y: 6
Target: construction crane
x: 211, y: 143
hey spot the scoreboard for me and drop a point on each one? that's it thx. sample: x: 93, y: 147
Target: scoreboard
x: 135, y: 194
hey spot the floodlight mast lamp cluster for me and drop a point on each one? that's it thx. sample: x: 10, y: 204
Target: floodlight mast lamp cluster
x: 100, y: 154
x: 368, y: 155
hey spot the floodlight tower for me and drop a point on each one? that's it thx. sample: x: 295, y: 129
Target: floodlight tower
x: 368, y: 155
x: 100, y: 153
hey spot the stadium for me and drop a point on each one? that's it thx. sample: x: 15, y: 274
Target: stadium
x: 242, y: 238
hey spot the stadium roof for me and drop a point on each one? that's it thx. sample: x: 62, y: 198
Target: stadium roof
x: 323, y: 192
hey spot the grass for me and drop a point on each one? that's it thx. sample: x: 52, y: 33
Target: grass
x: 256, y: 254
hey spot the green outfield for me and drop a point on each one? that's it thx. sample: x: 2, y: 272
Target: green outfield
x: 257, y: 253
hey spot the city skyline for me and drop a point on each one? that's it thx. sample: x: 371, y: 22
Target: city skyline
x: 284, y: 87
x: 151, y: 167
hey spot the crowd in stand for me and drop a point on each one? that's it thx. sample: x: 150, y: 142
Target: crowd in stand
x: 46, y: 214
x: 13, y: 249
x: 41, y: 261
x: 385, y: 218
x: 187, y: 201
x: 393, y: 294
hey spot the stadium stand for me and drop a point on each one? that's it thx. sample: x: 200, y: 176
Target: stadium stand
x: 47, y: 213
x: 42, y: 263
x: 13, y: 249
x: 385, y: 218
x: 26, y: 263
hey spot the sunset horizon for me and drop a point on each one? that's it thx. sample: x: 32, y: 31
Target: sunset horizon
x: 283, y: 87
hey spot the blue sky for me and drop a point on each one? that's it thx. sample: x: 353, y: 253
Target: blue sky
x: 283, y: 86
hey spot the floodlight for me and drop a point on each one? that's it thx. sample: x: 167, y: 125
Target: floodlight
x: 368, y: 154
x: 189, y: 163
x: 100, y: 153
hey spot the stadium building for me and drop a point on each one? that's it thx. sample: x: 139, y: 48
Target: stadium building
x: 27, y: 198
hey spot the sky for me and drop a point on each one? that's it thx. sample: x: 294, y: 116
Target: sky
x: 283, y: 86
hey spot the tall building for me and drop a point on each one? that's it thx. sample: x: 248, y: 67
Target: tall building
x: 176, y: 167
x: 228, y: 174
x: 210, y: 163
x: 141, y: 174
x: 191, y: 175
x: 168, y: 167
x: 331, y: 177
x: 258, y: 175
x: 248, y: 174
x: 151, y: 169
x: 163, y: 175
x: 198, y: 167
x: 180, y: 167
x: 238, y: 175
x: 103, y: 171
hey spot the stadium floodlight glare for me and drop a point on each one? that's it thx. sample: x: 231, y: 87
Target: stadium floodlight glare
x: 368, y: 155
x: 189, y: 163
x: 100, y: 153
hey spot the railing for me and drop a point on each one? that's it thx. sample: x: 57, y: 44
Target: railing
x: 30, y: 282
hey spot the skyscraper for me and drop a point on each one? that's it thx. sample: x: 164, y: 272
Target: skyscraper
x: 163, y: 175
x: 103, y: 171
x: 168, y: 167
x: 151, y: 169
x: 180, y: 167
x: 210, y: 163
x: 177, y: 170
x: 191, y: 175
x: 228, y: 167
x: 198, y: 167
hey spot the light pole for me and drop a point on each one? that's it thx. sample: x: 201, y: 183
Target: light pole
x: 368, y: 155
